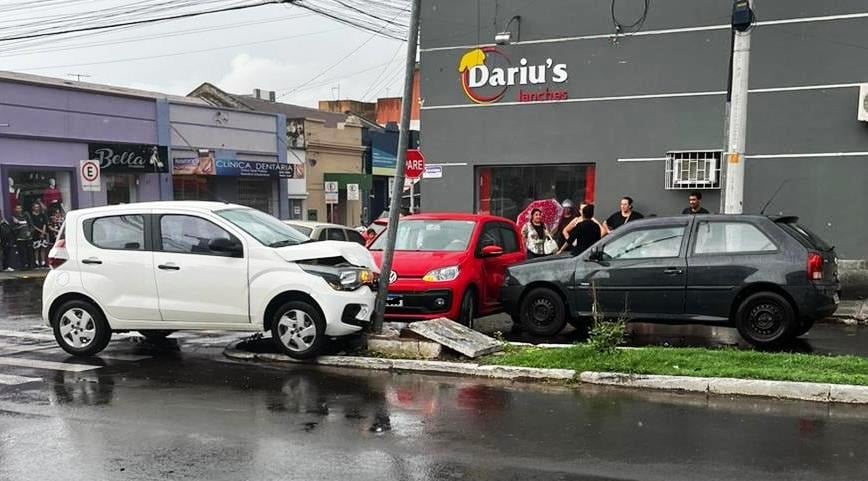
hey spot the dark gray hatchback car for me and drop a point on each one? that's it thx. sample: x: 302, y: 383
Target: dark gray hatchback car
x: 768, y: 276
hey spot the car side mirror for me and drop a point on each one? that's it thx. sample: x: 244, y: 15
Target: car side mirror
x: 492, y: 251
x: 226, y: 246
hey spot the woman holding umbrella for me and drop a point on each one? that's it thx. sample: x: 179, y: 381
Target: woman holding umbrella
x: 537, y: 237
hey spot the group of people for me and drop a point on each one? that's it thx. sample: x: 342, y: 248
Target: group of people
x: 26, y: 237
x: 578, y: 229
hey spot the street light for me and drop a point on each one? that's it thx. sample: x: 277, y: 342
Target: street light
x: 505, y: 37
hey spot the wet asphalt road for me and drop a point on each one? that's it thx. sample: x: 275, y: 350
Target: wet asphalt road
x: 180, y: 410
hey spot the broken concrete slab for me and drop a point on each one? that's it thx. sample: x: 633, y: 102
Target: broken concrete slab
x: 456, y: 337
x: 401, y: 347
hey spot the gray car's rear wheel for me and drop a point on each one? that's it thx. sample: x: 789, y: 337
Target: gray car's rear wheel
x: 298, y: 329
x: 766, y: 320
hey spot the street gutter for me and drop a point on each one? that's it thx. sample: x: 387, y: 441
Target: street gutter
x: 801, y: 391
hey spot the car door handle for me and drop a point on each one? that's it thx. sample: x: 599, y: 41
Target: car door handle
x: 169, y: 267
x: 673, y: 271
x: 91, y: 260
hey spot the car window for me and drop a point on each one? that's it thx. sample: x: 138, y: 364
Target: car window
x: 304, y: 230
x: 646, y: 244
x: 125, y: 232
x: 335, y: 235
x: 509, y: 238
x: 805, y: 236
x: 730, y: 237
x: 354, y: 236
x: 187, y: 234
x: 491, y: 236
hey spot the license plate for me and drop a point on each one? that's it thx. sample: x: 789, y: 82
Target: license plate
x: 836, y: 299
x: 394, y: 301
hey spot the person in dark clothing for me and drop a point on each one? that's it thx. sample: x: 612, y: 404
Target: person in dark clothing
x: 23, y: 239
x: 570, y: 212
x: 694, y: 200
x: 585, y: 234
x: 7, y: 243
x: 39, y: 223
x: 624, y: 215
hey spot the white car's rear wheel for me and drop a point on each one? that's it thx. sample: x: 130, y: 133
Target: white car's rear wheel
x: 80, y: 328
x: 298, y: 329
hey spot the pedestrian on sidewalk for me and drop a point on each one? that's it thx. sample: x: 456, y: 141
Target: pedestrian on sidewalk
x: 694, y: 201
x: 585, y: 233
x: 625, y: 214
x: 39, y: 223
x: 572, y: 225
x: 569, y: 213
x: 7, y: 243
x: 537, y: 237
x: 22, y: 258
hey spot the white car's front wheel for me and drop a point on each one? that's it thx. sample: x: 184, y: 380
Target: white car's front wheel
x: 298, y: 329
x: 80, y: 328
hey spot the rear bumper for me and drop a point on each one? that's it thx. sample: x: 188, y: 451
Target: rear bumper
x: 819, y: 301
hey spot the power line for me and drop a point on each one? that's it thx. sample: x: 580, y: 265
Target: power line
x: 140, y: 22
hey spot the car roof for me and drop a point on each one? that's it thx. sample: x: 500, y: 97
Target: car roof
x: 684, y: 218
x: 191, y: 205
x: 314, y: 225
x: 457, y: 216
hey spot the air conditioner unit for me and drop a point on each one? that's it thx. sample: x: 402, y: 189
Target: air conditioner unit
x: 863, y: 102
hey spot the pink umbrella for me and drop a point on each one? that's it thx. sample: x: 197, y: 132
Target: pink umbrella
x: 551, y: 213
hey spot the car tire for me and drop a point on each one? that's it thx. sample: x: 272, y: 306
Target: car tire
x: 542, y: 312
x: 298, y: 330
x: 156, y: 334
x: 80, y: 328
x: 766, y: 320
x: 804, y: 327
x: 468, y: 309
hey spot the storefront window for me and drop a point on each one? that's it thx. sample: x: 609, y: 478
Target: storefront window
x: 256, y: 193
x: 190, y: 187
x: 120, y: 189
x: 51, y: 189
x: 507, y: 190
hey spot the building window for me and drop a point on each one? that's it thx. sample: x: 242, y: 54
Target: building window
x: 507, y: 190
x: 693, y: 170
x: 257, y: 193
x: 52, y: 190
x: 296, y: 209
x: 120, y: 189
x: 193, y: 187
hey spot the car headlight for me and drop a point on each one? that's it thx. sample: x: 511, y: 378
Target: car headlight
x: 443, y: 274
x: 343, y: 279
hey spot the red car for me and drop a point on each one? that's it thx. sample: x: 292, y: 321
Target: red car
x: 449, y: 265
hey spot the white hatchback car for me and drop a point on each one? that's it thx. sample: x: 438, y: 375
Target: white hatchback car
x: 158, y: 267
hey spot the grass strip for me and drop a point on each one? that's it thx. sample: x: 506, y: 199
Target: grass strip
x: 729, y: 363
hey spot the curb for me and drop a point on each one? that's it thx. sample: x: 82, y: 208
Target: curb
x: 410, y: 365
x: 800, y: 391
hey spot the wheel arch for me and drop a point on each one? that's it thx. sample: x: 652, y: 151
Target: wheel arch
x: 548, y: 285
x: 283, y: 298
x: 74, y: 296
x: 759, y: 287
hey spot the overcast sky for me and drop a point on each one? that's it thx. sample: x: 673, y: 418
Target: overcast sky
x: 275, y: 47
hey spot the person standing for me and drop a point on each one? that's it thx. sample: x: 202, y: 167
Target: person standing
x: 536, y: 235
x: 624, y: 215
x: 7, y: 243
x: 39, y: 223
x: 585, y: 233
x: 23, y: 239
x: 572, y: 225
x: 568, y: 215
x: 694, y: 202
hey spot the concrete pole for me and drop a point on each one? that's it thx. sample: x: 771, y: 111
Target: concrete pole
x: 398, y: 188
x: 734, y: 193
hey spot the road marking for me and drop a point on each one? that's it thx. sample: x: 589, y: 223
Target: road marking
x: 25, y: 348
x: 12, y: 380
x: 38, y: 364
x: 119, y: 356
x: 27, y: 335
x: 212, y: 340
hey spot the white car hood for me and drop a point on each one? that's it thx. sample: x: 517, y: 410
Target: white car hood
x: 354, y: 253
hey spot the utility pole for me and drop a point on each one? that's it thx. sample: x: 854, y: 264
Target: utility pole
x: 398, y: 187
x: 742, y: 22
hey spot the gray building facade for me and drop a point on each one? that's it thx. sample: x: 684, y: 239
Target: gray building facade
x: 571, y: 109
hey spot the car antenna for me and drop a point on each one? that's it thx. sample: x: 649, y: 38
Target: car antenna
x: 763, y: 210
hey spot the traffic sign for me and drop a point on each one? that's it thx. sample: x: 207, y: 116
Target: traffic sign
x: 415, y: 164
x: 331, y: 197
x: 331, y: 187
x: 89, y: 174
x: 353, y: 192
x: 433, y: 172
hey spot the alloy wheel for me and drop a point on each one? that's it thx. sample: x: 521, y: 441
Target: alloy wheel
x: 297, y: 330
x: 77, y: 328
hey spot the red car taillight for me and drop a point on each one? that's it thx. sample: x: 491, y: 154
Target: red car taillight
x: 815, y: 267
x: 55, y: 262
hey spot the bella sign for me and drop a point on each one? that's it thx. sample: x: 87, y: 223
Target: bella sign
x: 487, y: 74
x: 130, y: 158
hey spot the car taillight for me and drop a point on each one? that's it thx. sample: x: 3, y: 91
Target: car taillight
x: 53, y: 260
x: 815, y: 267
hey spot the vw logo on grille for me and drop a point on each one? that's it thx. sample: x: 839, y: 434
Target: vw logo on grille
x: 393, y: 276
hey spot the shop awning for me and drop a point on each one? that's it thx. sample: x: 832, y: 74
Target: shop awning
x: 364, y: 180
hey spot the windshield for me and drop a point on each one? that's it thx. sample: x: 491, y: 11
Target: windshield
x: 429, y: 235
x: 263, y: 227
x: 304, y: 230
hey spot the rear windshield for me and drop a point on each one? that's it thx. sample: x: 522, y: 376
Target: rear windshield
x: 805, y: 236
x: 304, y: 230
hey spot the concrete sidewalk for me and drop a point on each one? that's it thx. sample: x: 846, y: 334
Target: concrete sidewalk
x: 852, y: 310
